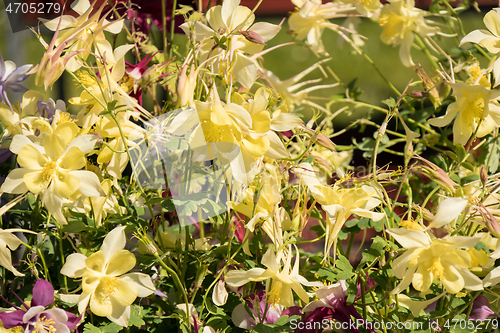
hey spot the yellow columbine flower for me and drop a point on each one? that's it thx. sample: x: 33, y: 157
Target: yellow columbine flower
x: 53, y: 168
x: 84, y: 30
x: 400, y: 19
x: 231, y: 25
x: 488, y: 39
x: 340, y: 204
x: 428, y: 259
x: 472, y: 108
x: 280, y: 280
x: 105, y: 285
x: 19, y: 121
x: 311, y: 19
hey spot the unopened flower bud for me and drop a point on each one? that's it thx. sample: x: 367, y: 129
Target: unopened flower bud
x: 490, y: 221
x: 418, y: 94
x: 483, y: 175
x: 253, y: 37
x: 437, y: 174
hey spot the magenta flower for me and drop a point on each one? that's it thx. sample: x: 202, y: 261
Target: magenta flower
x: 331, y: 304
x: 481, y: 309
x: 257, y: 305
x: 37, y: 317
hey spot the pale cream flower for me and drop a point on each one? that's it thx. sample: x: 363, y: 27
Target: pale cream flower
x: 472, y: 108
x: 400, y: 20
x: 488, y: 39
x: 52, y: 168
x: 311, y: 19
x: 340, y: 203
x: 232, y: 25
x: 428, y: 259
x: 281, y: 280
x: 9, y: 241
x: 84, y: 30
x: 105, y: 285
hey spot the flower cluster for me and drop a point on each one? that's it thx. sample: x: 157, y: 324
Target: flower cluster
x: 187, y: 185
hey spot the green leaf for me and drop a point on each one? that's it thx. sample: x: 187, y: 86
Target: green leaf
x: 343, y: 268
x: 390, y: 102
x: 136, y: 316
x: 183, y: 10
x: 112, y: 105
x: 75, y: 226
x: 89, y: 328
x: 111, y: 328
x: 195, y: 16
x: 351, y: 292
x: 469, y: 179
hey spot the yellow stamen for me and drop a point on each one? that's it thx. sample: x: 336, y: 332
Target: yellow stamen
x: 44, y: 325
x: 273, y: 296
x: 49, y: 171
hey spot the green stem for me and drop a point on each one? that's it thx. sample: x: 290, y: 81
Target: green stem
x: 426, y: 51
x: 177, y: 282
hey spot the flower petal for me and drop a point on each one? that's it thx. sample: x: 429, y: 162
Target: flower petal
x: 410, y: 238
x: 74, y: 266
x: 239, y: 278
x: 14, y: 183
x: 89, y: 183
x: 114, y: 242
x: 43, y: 293
x: 145, y: 286
x: 120, y: 263
x: 448, y: 210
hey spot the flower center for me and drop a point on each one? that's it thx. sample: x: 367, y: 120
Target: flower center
x: 394, y: 25
x: 475, y: 109
x: 437, y: 269
x: 64, y: 117
x: 44, y: 325
x: 214, y: 132
x: 85, y: 78
x: 127, y: 83
x: 109, y: 286
x: 49, y: 171
x: 273, y: 296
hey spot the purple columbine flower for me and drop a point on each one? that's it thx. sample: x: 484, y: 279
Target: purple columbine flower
x: 481, y: 309
x: 257, y: 305
x: 36, y: 317
x: 48, y: 110
x: 11, y: 78
x: 331, y: 304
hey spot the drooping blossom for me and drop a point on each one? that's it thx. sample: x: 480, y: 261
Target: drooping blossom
x: 311, y: 19
x: 231, y: 37
x: 280, y: 279
x: 400, y: 20
x: 481, y: 309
